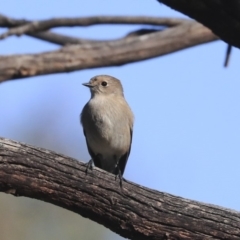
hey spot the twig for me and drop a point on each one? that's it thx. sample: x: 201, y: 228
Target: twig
x: 228, y: 54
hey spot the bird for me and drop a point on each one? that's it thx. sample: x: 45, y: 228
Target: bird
x: 107, y: 122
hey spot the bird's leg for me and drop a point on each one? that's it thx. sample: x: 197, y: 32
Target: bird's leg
x: 120, y: 177
x: 89, y: 165
x: 119, y: 174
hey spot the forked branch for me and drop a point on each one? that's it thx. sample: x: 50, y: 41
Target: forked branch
x: 131, y: 48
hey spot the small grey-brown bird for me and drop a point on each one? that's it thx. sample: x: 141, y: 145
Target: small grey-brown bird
x: 107, y: 122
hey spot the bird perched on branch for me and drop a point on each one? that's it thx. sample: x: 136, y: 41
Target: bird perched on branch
x: 107, y: 122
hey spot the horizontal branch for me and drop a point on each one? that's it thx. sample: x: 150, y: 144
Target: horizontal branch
x: 36, y: 26
x: 221, y: 16
x: 89, y: 21
x: 134, y: 211
x: 105, y: 53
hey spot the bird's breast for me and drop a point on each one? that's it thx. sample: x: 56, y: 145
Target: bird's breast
x: 108, y: 128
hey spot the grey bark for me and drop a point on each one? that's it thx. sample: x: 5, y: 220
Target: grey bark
x: 106, y: 53
x: 134, y: 212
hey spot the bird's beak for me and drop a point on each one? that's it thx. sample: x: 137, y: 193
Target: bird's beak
x: 87, y: 85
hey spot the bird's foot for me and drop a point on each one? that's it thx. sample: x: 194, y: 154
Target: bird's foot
x: 89, y: 165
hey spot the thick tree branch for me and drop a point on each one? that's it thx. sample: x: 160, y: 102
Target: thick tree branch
x: 106, y: 53
x: 221, y: 16
x: 134, y: 212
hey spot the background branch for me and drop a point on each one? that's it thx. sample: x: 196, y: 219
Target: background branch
x: 36, y: 26
x: 105, y: 53
x: 48, y: 36
x: 134, y: 212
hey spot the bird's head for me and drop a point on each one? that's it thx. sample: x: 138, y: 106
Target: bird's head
x: 104, y: 85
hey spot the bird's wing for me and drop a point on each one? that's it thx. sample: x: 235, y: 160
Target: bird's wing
x: 95, y: 158
x: 123, y: 160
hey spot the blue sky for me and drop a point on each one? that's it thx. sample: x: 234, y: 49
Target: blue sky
x: 186, y: 105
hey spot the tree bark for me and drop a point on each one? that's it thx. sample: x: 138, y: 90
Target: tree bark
x: 221, y: 16
x: 133, y: 211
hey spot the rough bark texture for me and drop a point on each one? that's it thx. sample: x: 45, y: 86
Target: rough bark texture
x: 105, y: 53
x: 221, y: 16
x: 134, y: 212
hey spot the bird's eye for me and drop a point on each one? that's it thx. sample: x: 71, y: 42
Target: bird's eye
x: 104, y: 83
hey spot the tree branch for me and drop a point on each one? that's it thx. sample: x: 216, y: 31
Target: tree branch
x: 221, y: 16
x: 48, y: 36
x: 106, y: 53
x: 134, y: 212
x: 36, y: 26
